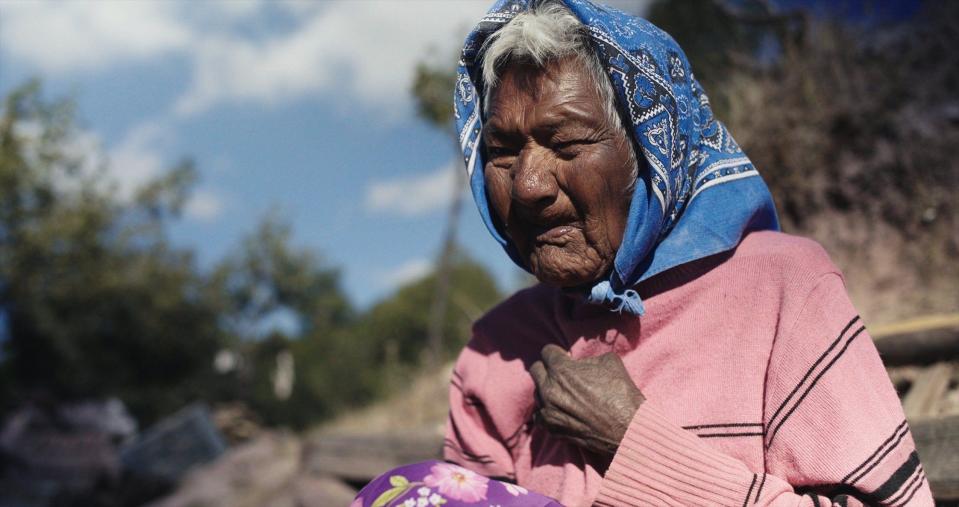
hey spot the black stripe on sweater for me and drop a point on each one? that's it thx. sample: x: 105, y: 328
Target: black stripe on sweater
x: 723, y: 435
x: 514, y: 439
x: 468, y: 399
x: 875, y: 458
x: 812, y: 368
x: 898, y: 478
x: 813, y: 384
x: 726, y: 430
x: 914, y: 490
x: 760, y: 490
x: 809, y: 372
x: 750, y: 492
x: 897, y: 498
x: 484, y: 459
x: 726, y: 425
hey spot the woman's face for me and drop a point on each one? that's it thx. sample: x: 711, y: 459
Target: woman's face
x: 557, y: 172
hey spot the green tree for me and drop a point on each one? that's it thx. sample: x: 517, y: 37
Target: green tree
x: 279, y: 299
x: 433, y: 90
x: 95, y: 300
x: 397, y: 327
x: 268, y: 277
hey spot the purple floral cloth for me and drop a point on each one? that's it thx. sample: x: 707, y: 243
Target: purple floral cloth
x: 432, y: 483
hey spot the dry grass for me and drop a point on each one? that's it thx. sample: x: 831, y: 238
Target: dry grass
x: 421, y: 407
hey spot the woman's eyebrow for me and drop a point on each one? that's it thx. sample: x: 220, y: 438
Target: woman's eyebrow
x: 496, y: 131
x: 566, y: 124
x: 564, y: 116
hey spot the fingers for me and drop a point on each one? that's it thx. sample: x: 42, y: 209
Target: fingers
x: 559, y: 422
x: 554, y: 355
x: 538, y: 372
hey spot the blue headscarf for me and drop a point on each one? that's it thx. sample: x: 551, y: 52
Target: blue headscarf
x: 698, y: 193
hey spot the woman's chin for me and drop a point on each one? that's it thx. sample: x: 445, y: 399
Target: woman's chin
x: 559, y: 271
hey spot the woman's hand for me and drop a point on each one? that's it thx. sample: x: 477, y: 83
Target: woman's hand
x: 588, y: 401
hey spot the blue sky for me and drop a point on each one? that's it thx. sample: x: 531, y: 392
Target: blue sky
x: 296, y: 106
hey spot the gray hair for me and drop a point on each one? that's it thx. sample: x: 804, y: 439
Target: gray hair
x: 545, y: 33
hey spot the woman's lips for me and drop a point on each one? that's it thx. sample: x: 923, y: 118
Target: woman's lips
x: 557, y: 235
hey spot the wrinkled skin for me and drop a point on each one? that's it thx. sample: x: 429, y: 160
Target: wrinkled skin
x: 557, y: 173
x: 587, y: 401
x: 558, y: 177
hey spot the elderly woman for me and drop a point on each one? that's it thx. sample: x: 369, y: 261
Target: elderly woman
x: 732, y: 369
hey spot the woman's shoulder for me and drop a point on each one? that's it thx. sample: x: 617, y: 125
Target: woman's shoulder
x: 784, y: 253
x: 780, y: 272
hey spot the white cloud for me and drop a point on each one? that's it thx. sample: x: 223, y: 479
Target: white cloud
x: 300, y: 7
x: 203, y: 206
x: 236, y: 9
x: 82, y: 154
x: 123, y: 169
x: 367, y: 50
x: 142, y: 156
x: 137, y: 159
x: 59, y: 37
x: 407, y: 272
x: 414, y: 195
x: 363, y: 51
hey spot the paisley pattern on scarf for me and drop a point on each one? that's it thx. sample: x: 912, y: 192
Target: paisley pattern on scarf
x: 697, y: 195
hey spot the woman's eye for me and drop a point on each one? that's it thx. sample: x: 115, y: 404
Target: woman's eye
x: 499, y: 152
x: 569, y: 148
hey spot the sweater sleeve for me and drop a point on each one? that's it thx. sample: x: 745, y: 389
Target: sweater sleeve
x: 834, y: 430
x: 472, y: 440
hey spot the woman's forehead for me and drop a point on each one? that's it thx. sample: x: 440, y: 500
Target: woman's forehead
x: 558, y: 93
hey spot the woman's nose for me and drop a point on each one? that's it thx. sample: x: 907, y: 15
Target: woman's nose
x: 534, y: 179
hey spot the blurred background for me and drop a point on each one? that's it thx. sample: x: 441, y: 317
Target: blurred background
x: 237, y: 252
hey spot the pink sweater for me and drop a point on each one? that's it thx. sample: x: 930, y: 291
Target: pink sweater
x: 762, y: 387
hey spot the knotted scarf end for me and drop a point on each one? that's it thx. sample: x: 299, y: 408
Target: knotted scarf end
x: 629, y: 301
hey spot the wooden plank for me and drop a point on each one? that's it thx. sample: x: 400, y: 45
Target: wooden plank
x: 922, y: 340
x: 919, y: 347
x: 937, y: 441
x: 916, y: 325
x: 927, y: 390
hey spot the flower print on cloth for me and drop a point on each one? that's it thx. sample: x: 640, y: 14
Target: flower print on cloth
x: 516, y: 490
x: 457, y: 482
x: 434, y: 483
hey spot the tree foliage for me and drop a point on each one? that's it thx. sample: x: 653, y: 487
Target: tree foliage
x: 95, y: 300
x: 433, y: 91
x: 399, y: 324
x: 267, y: 276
